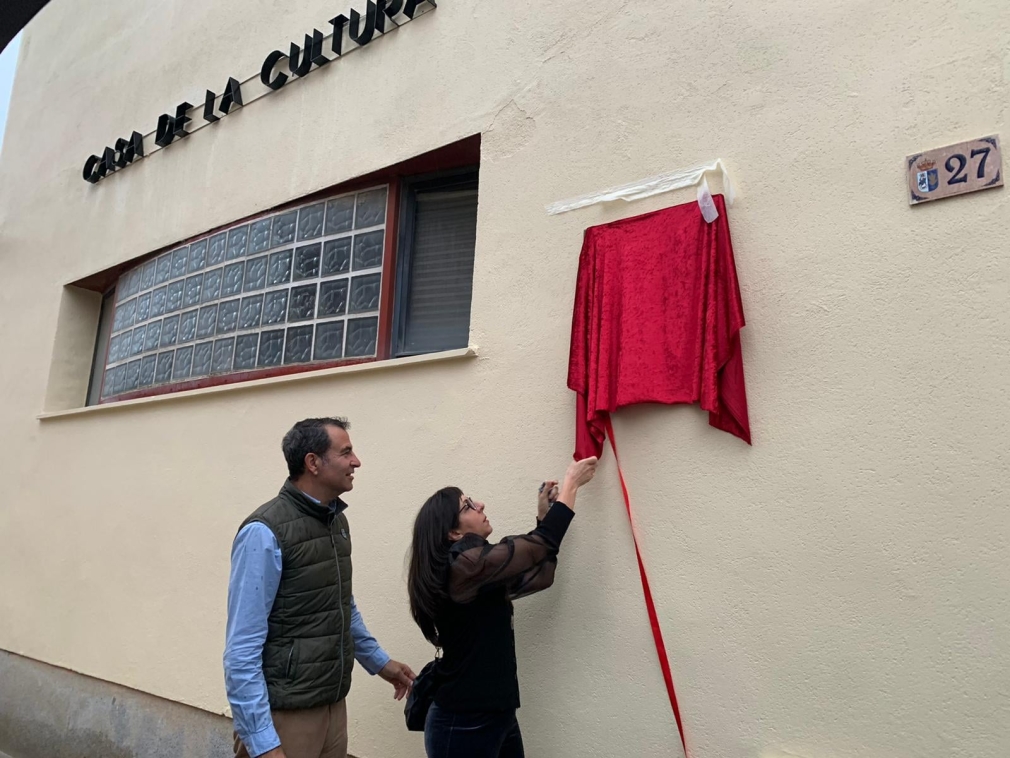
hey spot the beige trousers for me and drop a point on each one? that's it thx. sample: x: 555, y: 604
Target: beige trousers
x: 311, y: 733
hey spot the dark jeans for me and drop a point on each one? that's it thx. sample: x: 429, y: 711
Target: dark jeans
x: 472, y: 735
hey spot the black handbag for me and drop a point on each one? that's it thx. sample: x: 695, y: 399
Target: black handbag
x: 421, y: 696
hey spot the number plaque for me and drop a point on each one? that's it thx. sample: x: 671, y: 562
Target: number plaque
x: 954, y: 170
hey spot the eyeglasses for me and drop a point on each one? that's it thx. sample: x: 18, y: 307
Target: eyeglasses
x: 468, y: 503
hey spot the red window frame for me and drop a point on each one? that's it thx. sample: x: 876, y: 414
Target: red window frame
x: 459, y: 155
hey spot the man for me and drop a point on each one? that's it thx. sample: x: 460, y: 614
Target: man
x: 294, y: 630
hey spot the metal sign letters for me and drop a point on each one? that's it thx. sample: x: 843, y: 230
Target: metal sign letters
x: 381, y: 17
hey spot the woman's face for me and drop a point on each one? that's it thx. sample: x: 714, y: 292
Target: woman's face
x: 472, y: 519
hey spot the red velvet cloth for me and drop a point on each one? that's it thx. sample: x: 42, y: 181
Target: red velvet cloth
x: 657, y: 320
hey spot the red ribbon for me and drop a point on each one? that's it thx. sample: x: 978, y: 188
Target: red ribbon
x: 657, y: 632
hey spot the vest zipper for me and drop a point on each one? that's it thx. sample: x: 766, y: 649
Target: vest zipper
x: 340, y: 598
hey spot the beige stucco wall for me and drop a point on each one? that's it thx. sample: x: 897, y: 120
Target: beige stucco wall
x: 838, y: 590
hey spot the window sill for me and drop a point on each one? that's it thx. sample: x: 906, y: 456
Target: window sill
x: 306, y: 376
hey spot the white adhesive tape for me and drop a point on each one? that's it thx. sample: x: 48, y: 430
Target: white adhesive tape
x: 688, y: 177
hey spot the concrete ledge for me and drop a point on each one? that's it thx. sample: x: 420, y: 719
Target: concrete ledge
x: 258, y: 384
x: 48, y: 712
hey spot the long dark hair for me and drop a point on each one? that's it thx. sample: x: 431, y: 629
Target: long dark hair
x: 429, y: 558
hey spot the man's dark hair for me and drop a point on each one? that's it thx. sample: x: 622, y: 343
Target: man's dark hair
x: 308, y: 436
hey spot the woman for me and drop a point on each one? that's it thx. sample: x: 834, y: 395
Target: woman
x: 461, y: 591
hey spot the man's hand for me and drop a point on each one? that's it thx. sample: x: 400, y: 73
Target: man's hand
x: 277, y: 752
x: 400, y: 676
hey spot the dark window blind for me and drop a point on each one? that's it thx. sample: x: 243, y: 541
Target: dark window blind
x: 441, y: 272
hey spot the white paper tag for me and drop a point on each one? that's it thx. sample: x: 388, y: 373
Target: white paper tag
x: 707, y: 204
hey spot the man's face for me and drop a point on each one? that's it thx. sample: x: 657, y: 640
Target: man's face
x: 335, y: 468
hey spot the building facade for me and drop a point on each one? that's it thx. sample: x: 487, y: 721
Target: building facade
x: 208, y: 232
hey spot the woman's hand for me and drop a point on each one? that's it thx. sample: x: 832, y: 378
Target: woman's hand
x: 548, y: 494
x: 578, y: 474
x: 581, y: 472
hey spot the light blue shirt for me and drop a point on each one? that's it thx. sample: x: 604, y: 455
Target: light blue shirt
x: 255, y: 575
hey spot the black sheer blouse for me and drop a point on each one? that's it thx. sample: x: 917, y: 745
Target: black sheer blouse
x: 478, y: 666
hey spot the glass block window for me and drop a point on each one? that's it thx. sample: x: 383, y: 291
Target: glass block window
x: 297, y: 287
x: 314, y: 284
